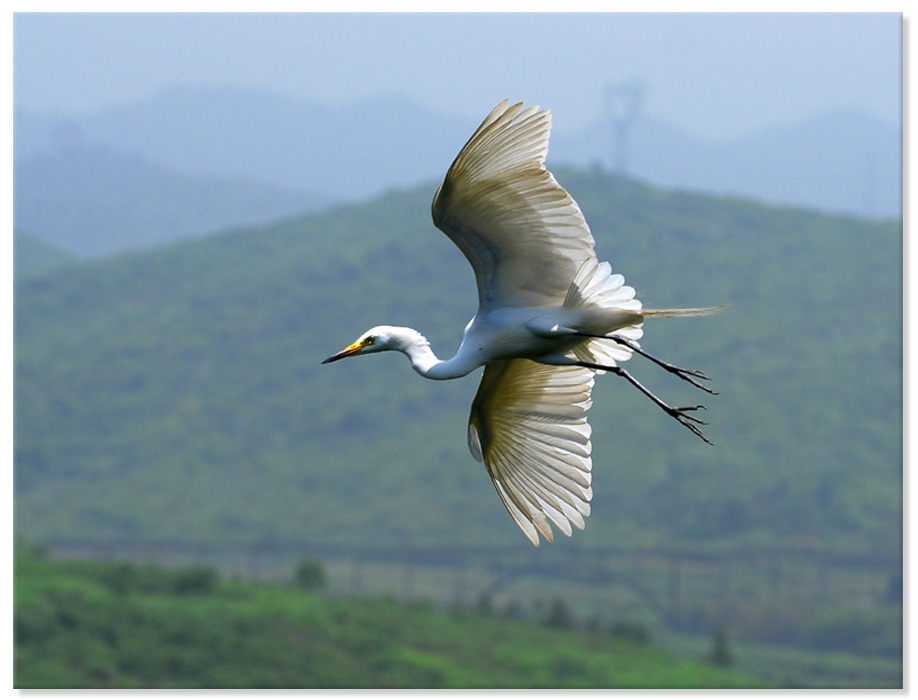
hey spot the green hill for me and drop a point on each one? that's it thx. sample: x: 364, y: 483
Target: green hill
x: 32, y: 255
x: 178, y: 393
x: 112, y: 625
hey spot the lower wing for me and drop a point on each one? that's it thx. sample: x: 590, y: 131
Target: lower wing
x: 528, y: 425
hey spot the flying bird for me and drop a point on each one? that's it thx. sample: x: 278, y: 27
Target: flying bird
x: 550, y: 317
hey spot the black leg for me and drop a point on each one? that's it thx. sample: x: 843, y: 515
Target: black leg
x: 689, y: 375
x: 680, y: 414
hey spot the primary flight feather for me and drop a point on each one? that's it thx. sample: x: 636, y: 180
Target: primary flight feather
x: 550, y: 317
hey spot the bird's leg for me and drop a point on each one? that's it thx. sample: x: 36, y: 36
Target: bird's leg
x: 689, y: 375
x: 680, y: 414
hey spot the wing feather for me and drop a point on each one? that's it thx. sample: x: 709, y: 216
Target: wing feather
x: 528, y: 425
x: 523, y: 234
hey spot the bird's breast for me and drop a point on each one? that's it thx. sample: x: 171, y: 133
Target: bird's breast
x: 503, y: 334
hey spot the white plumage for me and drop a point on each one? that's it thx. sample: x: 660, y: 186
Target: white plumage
x: 550, y: 316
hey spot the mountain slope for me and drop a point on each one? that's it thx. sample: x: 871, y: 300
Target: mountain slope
x: 32, y: 255
x: 178, y: 393
x: 95, y: 201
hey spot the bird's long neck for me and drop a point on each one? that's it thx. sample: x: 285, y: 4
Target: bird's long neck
x: 427, y: 364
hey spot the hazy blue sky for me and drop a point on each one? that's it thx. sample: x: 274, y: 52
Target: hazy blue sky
x: 715, y: 75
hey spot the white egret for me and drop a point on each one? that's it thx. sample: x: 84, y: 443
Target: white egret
x: 550, y: 316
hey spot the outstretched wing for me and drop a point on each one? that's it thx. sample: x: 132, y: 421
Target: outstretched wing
x: 528, y: 425
x: 522, y: 232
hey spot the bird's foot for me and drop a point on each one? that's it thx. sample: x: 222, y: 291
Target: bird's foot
x: 681, y: 414
x: 689, y: 375
x: 691, y: 422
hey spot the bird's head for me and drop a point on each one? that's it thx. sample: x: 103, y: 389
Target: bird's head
x: 378, y: 339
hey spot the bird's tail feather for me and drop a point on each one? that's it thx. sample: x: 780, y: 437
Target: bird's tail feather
x: 686, y: 313
x: 595, y: 285
x: 613, y: 307
x: 617, y: 311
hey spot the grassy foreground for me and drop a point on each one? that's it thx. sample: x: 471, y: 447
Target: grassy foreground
x: 115, y: 625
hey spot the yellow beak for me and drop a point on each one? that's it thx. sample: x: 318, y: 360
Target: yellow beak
x: 351, y: 349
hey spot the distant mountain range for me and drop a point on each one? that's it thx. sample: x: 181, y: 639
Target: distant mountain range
x: 91, y: 201
x: 347, y: 153
x: 141, y: 174
x: 840, y: 162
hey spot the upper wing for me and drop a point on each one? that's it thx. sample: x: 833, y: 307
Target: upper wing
x: 522, y: 232
x: 528, y: 425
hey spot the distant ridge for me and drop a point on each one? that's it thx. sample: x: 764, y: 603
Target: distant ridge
x: 839, y: 162
x: 91, y: 201
x: 31, y: 255
x: 844, y: 162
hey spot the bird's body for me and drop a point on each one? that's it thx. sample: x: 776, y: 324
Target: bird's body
x: 550, y: 317
x: 502, y: 334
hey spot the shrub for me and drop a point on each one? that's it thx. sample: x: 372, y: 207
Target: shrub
x: 633, y: 632
x: 310, y: 576
x: 120, y: 578
x: 559, y: 615
x: 195, y: 580
x: 720, y: 649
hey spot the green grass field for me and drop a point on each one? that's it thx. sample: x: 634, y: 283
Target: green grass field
x: 116, y: 625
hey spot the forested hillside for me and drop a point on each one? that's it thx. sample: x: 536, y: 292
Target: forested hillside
x: 178, y: 393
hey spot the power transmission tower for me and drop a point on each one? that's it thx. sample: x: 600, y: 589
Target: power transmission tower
x: 622, y: 103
